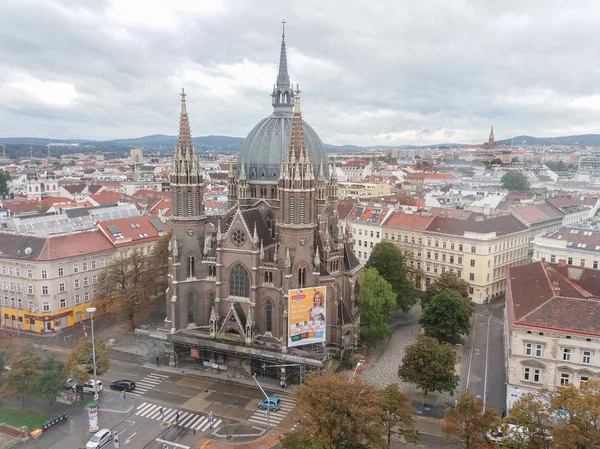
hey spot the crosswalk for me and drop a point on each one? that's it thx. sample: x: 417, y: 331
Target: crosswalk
x: 260, y: 416
x: 188, y: 420
x: 147, y: 383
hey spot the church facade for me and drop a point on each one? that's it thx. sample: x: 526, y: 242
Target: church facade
x: 230, y: 276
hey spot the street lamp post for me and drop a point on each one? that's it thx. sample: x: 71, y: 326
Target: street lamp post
x: 268, y: 403
x: 92, y: 310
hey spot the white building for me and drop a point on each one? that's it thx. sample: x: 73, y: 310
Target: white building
x: 366, y: 224
x: 579, y: 247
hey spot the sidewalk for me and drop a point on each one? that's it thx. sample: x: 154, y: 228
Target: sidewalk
x: 265, y: 442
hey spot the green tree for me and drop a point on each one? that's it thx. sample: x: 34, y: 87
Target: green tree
x: 446, y: 281
x: 465, y: 425
x: 4, y: 178
x: 330, y: 418
x: 80, y: 365
x: 447, y: 315
x: 530, y: 413
x: 134, y: 281
x: 19, y: 381
x: 376, y: 301
x: 429, y: 365
x: 515, y: 181
x: 389, y: 261
x: 398, y: 415
x: 51, y: 380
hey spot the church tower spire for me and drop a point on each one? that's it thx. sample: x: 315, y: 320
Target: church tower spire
x: 186, y: 179
x: 283, y: 93
x: 491, y: 138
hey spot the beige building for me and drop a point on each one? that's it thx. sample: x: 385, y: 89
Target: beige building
x: 46, y: 283
x: 135, y: 154
x: 573, y: 246
x: 362, y: 189
x: 552, y: 331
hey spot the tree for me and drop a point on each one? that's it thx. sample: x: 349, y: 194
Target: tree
x: 135, y: 280
x: 4, y: 178
x: 578, y: 412
x: 389, y: 261
x: 19, y: 381
x: 336, y: 413
x: 465, y: 425
x: 80, y: 365
x: 447, y: 315
x: 530, y: 413
x: 447, y: 281
x: 376, y: 301
x: 515, y: 181
x: 51, y: 380
x: 398, y: 415
x: 429, y: 365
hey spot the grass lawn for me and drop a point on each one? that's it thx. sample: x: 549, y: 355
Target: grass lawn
x: 18, y: 418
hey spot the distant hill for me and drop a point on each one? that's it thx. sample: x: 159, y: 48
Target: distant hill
x: 584, y: 139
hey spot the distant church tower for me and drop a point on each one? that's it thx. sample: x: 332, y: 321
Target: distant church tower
x: 34, y: 186
x: 491, y: 143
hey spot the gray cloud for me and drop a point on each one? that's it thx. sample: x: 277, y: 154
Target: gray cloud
x: 371, y: 72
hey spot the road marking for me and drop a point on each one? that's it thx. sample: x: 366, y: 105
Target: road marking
x: 181, y: 418
x: 193, y: 422
x: 170, y: 443
x: 151, y: 382
x: 145, y: 412
x: 472, y: 348
x: 159, y: 375
x: 129, y: 439
x: 140, y: 406
x: 170, y: 415
x: 186, y: 420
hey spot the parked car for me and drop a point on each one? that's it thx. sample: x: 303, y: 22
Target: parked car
x: 70, y: 383
x: 123, y: 385
x: 511, y: 430
x: 100, y: 439
x: 89, y: 387
x: 273, y: 403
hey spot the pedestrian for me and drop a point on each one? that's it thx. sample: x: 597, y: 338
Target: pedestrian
x: 503, y: 413
x: 157, y: 361
x: 176, y: 418
x: 161, y: 414
x: 281, y: 383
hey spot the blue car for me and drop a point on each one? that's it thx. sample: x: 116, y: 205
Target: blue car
x: 272, y: 403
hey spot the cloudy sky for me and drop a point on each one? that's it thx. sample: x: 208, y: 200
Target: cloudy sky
x: 371, y: 72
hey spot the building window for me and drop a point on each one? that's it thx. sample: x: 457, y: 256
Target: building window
x: 269, y: 316
x: 473, y: 249
x: 595, y: 265
x: 460, y: 260
x: 63, y: 303
x: 371, y: 233
x: 565, y: 378
x: 190, y: 308
x: 86, y: 282
x: 30, y: 305
x: 77, y: 299
x: 377, y: 234
x: 84, y: 266
x: 239, y: 281
x: 538, y: 350
x: 61, y: 271
x: 44, y: 274
x: 587, y: 357
x: 30, y: 274
x: 529, y: 349
x: 76, y: 283
x: 45, y: 290
x: 435, y: 256
x: 45, y: 306
x: 570, y: 261
x: 302, y: 276
x: 566, y: 354
x: 471, y: 276
x: 30, y: 289
x: 470, y: 290
x: 102, y: 263
x: 76, y: 268
x: 61, y: 287
x: 86, y: 296
x: 472, y: 262
x: 459, y: 273
x: 531, y: 374
x: 443, y: 258
x: 93, y: 264
x: 437, y: 243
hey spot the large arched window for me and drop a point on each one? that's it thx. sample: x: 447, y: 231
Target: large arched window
x: 301, y: 277
x: 239, y: 281
x: 190, y: 308
x: 269, y: 315
x: 191, y: 267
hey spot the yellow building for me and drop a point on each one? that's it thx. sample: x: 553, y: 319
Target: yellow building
x: 362, y: 189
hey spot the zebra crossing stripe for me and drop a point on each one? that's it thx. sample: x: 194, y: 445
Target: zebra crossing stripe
x: 187, y: 420
x: 145, y: 412
x: 140, y: 406
x: 158, y: 375
x: 170, y: 415
x: 143, y: 407
x: 181, y: 417
x: 194, y: 421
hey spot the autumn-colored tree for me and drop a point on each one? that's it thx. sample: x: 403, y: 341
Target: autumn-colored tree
x: 389, y: 261
x: 376, y: 301
x: 429, y: 365
x: 19, y: 381
x: 578, y: 412
x: 336, y: 413
x: 398, y: 415
x: 446, y: 281
x: 466, y: 425
x: 530, y: 414
x: 447, y: 315
x: 80, y: 365
x: 133, y: 281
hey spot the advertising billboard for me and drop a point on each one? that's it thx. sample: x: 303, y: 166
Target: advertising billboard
x: 306, y: 312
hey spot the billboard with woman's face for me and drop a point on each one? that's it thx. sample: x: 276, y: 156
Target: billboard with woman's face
x: 306, y: 316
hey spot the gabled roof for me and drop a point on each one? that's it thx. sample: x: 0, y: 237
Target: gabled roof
x: 562, y: 298
x: 537, y: 213
x: 580, y: 239
x: 14, y: 246
x: 73, y: 245
x: 502, y: 225
x: 133, y: 230
x: 106, y: 197
x: 252, y: 216
x: 21, y: 207
x: 368, y: 214
x: 401, y: 220
x: 350, y: 260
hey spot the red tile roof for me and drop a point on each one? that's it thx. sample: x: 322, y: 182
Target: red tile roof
x: 452, y: 213
x: 548, y: 296
x: 106, y: 197
x: 503, y: 225
x: 537, y: 213
x: 132, y: 230
x: 21, y: 207
x: 581, y: 239
x: 367, y: 214
x: 401, y: 220
x: 513, y: 196
x: 58, y: 201
x: 73, y: 245
x: 161, y: 205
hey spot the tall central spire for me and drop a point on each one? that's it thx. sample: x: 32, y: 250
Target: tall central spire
x: 283, y: 78
x: 185, y: 145
x: 283, y: 93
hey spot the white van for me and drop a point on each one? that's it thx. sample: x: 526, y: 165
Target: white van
x: 100, y: 439
x: 89, y: 387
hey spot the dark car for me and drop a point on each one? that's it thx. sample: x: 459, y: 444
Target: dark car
x: 123, y: 385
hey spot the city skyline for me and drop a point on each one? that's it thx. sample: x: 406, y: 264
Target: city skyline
x: 390, y: 74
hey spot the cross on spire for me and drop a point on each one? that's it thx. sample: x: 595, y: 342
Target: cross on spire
x: 283, y: 26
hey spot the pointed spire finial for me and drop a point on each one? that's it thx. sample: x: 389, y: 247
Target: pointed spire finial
x: 261, y: 255
x: 283, y: 78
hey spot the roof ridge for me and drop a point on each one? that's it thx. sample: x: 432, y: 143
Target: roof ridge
x: 543, y: 265
x: 577, y: 287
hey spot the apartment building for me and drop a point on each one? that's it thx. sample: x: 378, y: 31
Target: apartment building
x: 366, y: 225
x: 552, y: 331
x: 573, y: 246
x: 361, y: 189
x: 46, y: 283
